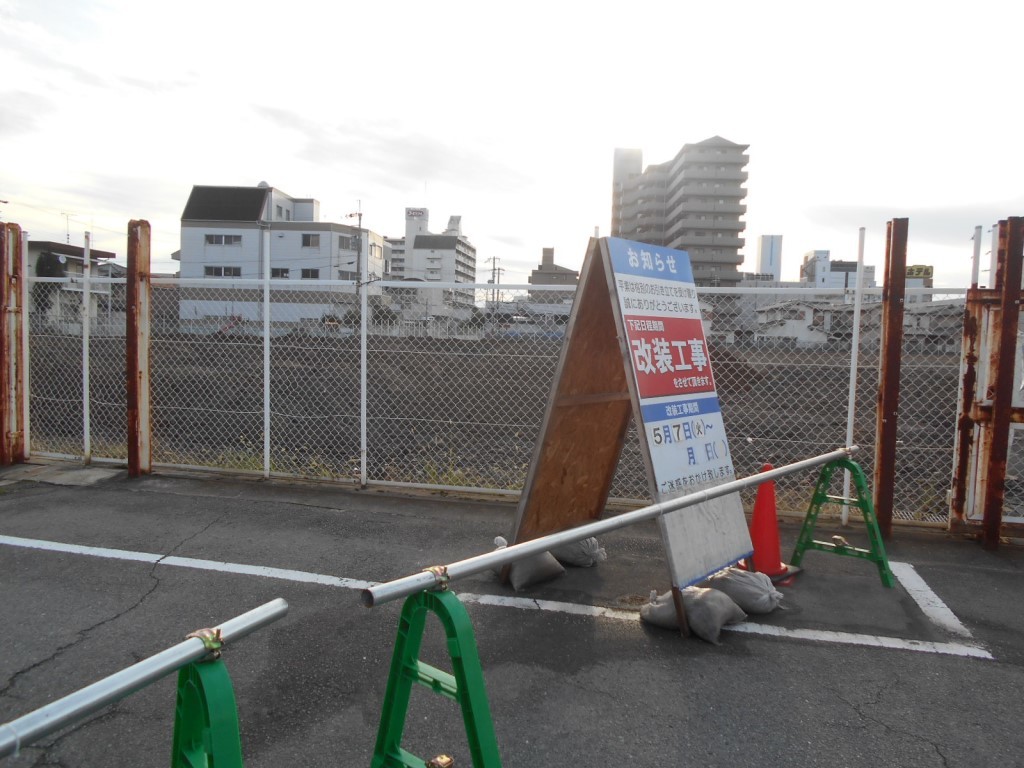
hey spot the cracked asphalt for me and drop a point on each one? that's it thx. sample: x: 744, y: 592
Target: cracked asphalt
x: 563, y: 689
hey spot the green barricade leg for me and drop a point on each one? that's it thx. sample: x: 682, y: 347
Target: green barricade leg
x: 465, y: 686
x: 839, y: 546
x: 206, y: 718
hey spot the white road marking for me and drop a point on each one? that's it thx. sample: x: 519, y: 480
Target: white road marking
x: 188, y: 562
x: 875, y: 641
x: 928, y: 601
x: 932, y: 606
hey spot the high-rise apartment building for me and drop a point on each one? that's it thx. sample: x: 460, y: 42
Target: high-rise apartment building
x: 769, y: 256
x: 692, y: 203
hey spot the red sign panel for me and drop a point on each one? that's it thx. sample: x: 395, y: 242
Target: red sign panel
x: 669, y: 355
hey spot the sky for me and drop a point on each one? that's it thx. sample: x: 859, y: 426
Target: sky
x: 509, y: 115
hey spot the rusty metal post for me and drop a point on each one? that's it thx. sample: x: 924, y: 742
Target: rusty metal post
x: 893, y: 294
x: 137, y: 314
x: 12, y: 318
x: 1000, y: 386
x: 963, y: 447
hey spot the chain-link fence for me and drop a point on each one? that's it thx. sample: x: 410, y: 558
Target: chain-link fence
x: 64, y: 352
x: 457, y: 380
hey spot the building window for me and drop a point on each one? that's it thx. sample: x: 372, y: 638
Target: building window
x: 311, y: 241
x: 222, y: 271
x: 280, y: 212
x: 311, y: 274
x: 345, y: 274
x: 223, y: 239
x: 344, y: 243
x: 279, y: 272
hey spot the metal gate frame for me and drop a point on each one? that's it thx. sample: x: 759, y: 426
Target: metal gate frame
x: 985, y: 408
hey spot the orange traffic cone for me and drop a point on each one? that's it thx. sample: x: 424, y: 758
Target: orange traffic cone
x: 764, y: 534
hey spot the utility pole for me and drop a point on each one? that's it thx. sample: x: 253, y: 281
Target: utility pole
x: 495, y: 281
x: 67, y: 226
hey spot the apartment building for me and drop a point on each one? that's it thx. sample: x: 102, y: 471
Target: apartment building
x: 692, y: 203
x: 241, y: 232
x: 422, y: 256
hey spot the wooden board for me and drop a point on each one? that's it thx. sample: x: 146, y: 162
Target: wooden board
x: 586, y: 418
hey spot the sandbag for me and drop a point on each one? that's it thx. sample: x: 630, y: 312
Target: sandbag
x: 707, y: 611
x: 582, y: 554
x: 534, y: 570
x: 523, y: 574
x: 753, y: 592
x: 660, y: 611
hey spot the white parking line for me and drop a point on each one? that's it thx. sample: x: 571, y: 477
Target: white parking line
x: 929, y: 602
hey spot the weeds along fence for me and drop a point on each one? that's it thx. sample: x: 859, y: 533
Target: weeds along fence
x: 457, y: 380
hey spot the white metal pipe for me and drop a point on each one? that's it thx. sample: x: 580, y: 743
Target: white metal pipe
x: 73, y: 707
x: 86, y: 331
x: 265, y: 248
x: 976, y: 261
x: 363, y: 332
x: 431, y: 578
x: 851, y: 403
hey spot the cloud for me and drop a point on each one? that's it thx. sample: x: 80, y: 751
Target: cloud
x: 22, y: 112
x: 137, y: 196
x: 940, y: 225
x: 398, y: 158
x: 41, y: 62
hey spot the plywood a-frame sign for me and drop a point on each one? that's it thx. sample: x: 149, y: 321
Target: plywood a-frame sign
x: 635, y: 346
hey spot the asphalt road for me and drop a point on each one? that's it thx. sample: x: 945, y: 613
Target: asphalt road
x: 564, y: 688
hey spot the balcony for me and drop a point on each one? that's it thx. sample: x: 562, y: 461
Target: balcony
x: 707, y: 205
x: 705, y: 241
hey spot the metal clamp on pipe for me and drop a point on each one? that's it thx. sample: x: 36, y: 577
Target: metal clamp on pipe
x: 440, y: 573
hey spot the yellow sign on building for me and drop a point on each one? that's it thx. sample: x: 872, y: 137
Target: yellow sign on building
x: 920, y: 270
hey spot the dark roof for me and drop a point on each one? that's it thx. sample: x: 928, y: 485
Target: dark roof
x: 437, y: 242
x: 225, y: 204
x: 46, y: 246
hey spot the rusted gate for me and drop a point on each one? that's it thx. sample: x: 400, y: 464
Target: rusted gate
x: 990, y: 408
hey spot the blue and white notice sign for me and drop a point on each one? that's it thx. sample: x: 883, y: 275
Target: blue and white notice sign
x: 682, y: 427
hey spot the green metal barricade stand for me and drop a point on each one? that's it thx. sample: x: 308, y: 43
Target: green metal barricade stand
x: 206, y: 718
x: 465, y: 686
x: 838, y: 546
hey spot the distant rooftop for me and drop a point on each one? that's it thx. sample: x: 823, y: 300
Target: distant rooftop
x: 225, y: 203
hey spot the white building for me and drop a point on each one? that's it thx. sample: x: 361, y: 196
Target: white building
x: 819, y: 271
x: 238, y: 232
x: 431, y: 258
x: 62, y: 302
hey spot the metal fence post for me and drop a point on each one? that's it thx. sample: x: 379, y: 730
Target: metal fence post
x: 86, y: 329
x: 851, y: 403
x: 12, y: 321
x: 137, y: 318
x: 361, y: 286
x: 893, y: 294
x: 265, y: 249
